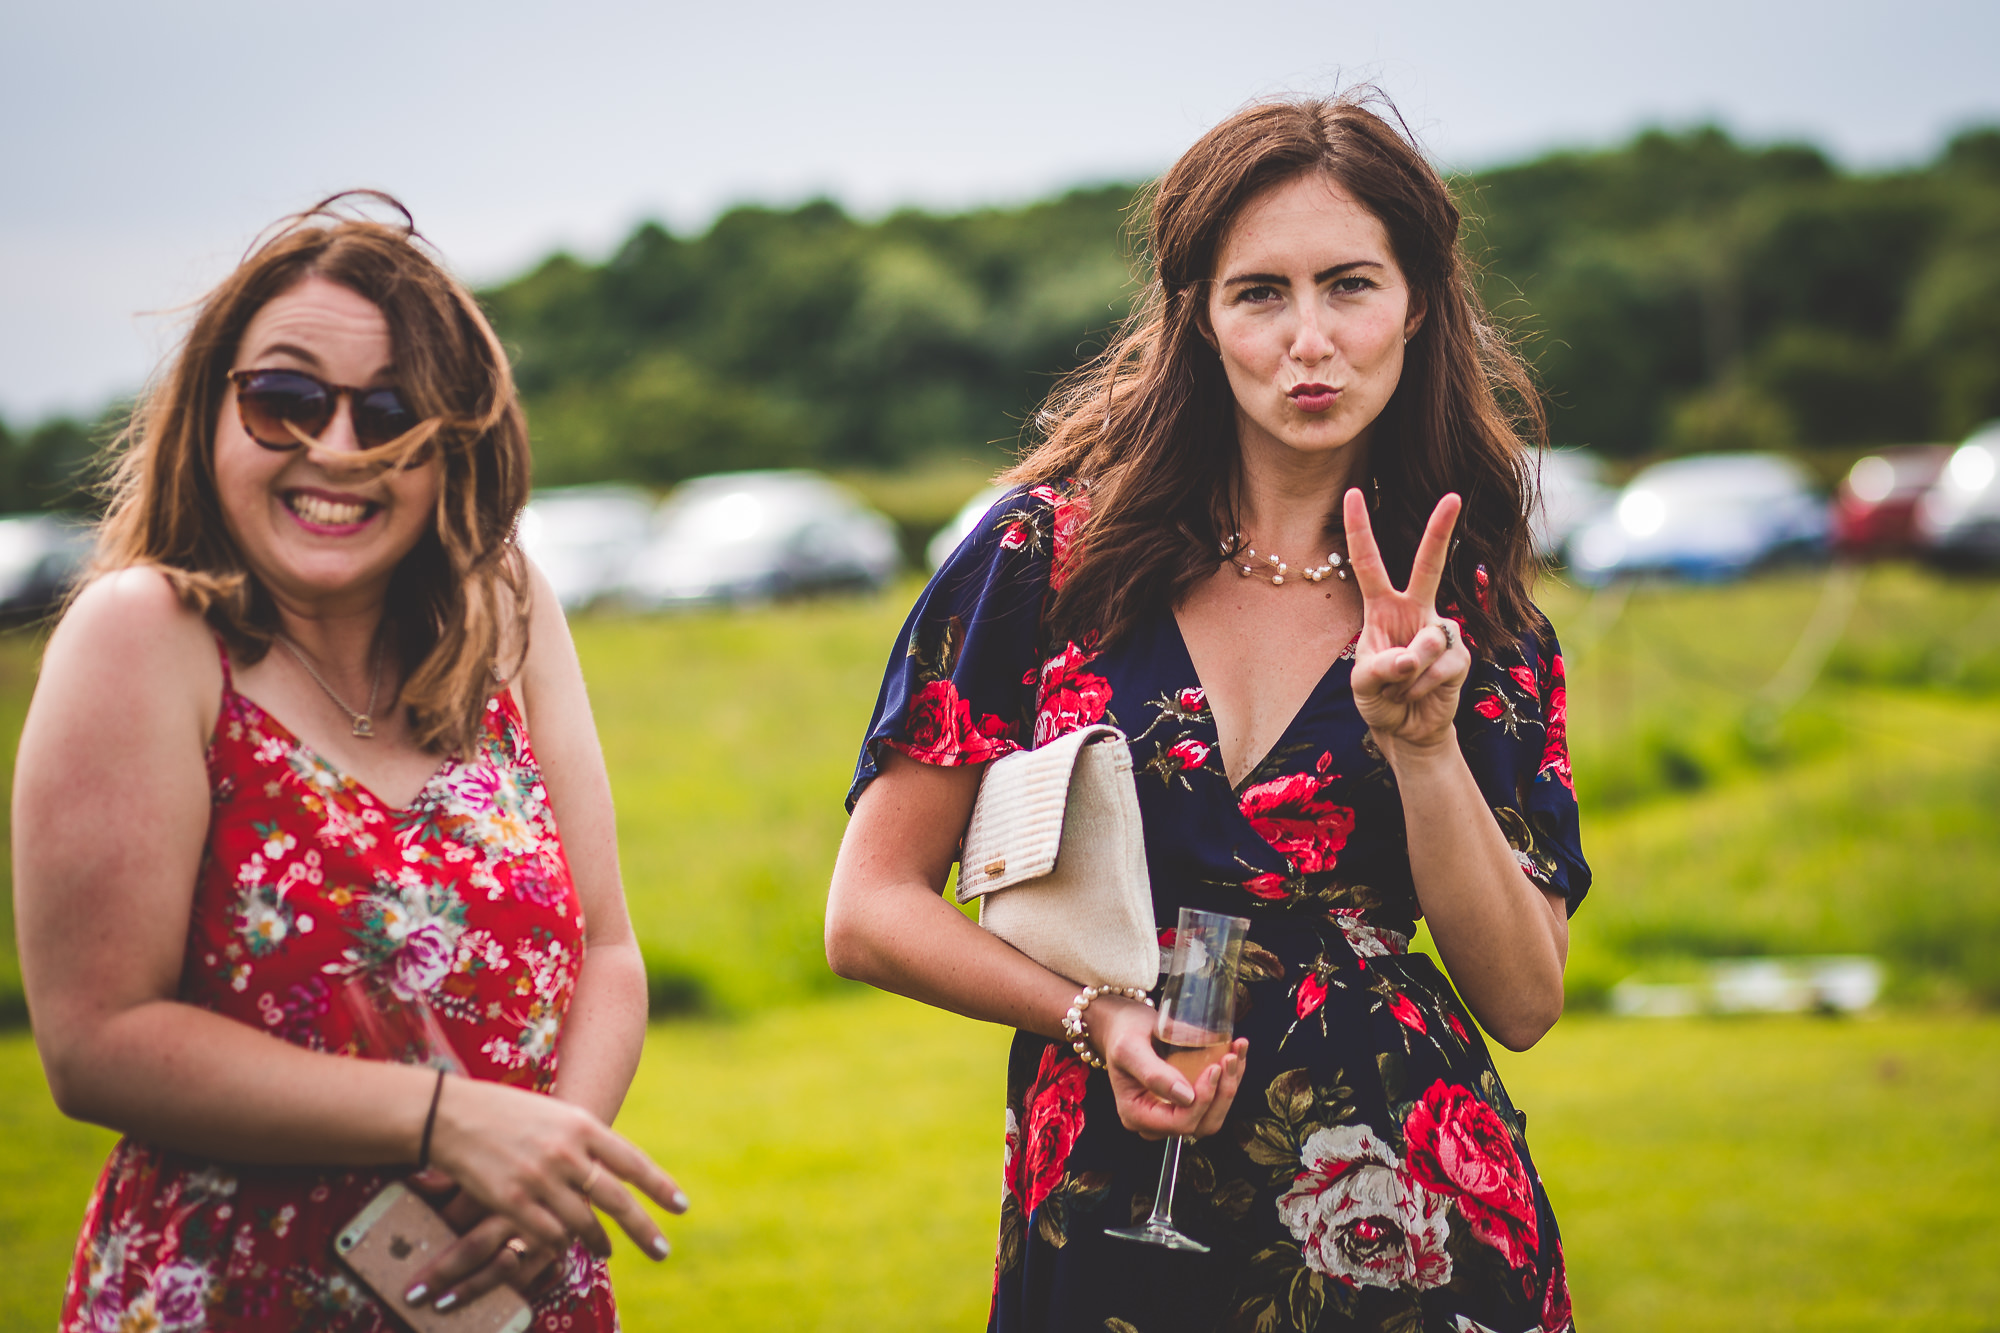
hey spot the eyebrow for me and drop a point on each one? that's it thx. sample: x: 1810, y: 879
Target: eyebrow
x: 1280, y: 280
x: 292, y: 350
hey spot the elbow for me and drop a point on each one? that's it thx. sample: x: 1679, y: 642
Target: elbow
x: 70, y: 1086
x: 1529, y: 1021
x: 847, y: 946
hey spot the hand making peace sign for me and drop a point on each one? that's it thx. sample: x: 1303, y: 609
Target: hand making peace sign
x: 1410, y: 662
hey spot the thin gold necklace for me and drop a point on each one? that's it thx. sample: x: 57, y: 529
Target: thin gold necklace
x: 364, y: 724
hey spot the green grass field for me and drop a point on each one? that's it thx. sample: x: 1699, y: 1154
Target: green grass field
x: 843, y: 1161
x: 842, y: 1148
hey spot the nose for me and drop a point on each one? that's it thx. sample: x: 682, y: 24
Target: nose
x: 338, y: 439
x: 1312, y: 340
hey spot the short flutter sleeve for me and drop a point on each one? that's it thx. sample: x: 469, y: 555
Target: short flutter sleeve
x: 1513, y: 724
x: 960, y: 684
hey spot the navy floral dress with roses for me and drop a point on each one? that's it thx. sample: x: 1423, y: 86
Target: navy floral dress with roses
x: 1372, y: 1173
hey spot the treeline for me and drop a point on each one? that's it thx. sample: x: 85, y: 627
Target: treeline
x: 1683, y: 291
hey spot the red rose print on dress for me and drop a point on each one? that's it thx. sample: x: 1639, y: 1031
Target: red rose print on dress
x: 1288, y: 814
x: 1460, y: 1148
x: 1489, y: 708
x: 1192, y: 700
x: 1555, y: 753
x: 942, y: 731
x: 1190, y: 753
x: 1523, y: 676
x: 1071, y: 508
x: 1268, y: 887
x: 1555, y: 1299
x: 1054, y: 1114
x: 1312, y: 994
x: 1067, y: 696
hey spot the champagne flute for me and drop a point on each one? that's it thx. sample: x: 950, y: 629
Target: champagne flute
x: 1196, y: 1021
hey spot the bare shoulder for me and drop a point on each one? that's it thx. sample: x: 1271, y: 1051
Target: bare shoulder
x: 548, y: 670
x: 128, y: 635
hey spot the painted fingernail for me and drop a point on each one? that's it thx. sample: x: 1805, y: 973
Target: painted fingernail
x: 661, y: 1249
x: 416, y: 1294
x: 680, y: 1204
x: 446, y: 1301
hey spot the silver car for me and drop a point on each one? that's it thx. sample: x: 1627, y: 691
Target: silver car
x: 1569, y: 493
x: 585, y: 538
x: 1708, y: 516
x: 41, y: 555
x: 755, y: 536
x: 1958, y: 518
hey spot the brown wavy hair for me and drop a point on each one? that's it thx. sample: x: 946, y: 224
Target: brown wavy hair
x: 1149, y: 426
x: 462, y: 592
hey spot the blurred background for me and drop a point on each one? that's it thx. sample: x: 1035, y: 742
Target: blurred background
x: 783, y: 286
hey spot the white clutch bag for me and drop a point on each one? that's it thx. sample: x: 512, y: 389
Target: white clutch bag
x: 1057, y: 858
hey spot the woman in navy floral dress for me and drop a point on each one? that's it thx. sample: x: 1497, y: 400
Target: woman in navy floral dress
x: 1334, y: 745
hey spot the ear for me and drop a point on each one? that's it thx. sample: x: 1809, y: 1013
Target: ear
x: 1414, y: 320
x: 1202, y: 323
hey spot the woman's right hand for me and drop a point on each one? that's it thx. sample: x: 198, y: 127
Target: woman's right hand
x: 1154, y: 1099
x: 526, y: 1159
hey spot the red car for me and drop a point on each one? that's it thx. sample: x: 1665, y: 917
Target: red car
x: 1874, y: 509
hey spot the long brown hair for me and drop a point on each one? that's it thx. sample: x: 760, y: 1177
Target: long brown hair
x: 1149, y: 426
x: 463, y: 590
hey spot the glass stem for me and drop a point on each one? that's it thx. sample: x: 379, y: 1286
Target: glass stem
x: 1163, y: 1198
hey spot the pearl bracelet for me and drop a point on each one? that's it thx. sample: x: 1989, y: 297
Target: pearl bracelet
x: 1077, y: 1034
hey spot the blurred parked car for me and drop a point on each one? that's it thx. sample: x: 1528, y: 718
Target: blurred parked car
x: 1875, y: 508
x: 754, y: 536
x: 1710, y: 516
x: 586, y: 537
x: 948, y: 537
x: 1570, y: 492
x: 1958, y: 518
x: 41, y: 555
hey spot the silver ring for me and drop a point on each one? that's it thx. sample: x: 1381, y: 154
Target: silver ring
x: 516, y: 1247
x: 1450, y: 635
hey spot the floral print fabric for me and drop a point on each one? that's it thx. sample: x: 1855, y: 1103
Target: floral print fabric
x: 463, y: 899
x: 1372, y: 1173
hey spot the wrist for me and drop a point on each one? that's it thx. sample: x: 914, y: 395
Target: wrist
x: 1091, y: 1040
x: 1411, y: 757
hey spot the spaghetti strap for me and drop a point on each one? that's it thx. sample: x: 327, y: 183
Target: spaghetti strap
x: 228, y: 678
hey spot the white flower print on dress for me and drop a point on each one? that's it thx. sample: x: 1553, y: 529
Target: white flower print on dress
x: 1358, y: 1217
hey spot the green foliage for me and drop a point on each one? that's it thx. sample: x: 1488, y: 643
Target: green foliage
x: 1688, y: 292
x: 804, y: 336
x: 51, y: 466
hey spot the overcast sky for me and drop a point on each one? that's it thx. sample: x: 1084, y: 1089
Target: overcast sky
x: 142, y: 144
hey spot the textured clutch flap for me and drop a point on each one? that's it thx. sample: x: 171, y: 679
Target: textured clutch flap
x: 1017, y: 824
x: 1056, y: 855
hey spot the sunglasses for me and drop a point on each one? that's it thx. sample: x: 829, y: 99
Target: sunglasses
x: 279, y: 406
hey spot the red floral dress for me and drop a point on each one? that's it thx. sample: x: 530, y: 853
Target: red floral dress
x: 1372, y: 1173
x: 462, y: 899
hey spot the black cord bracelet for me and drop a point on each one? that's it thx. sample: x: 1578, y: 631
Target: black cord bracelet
x: 430, y: 1123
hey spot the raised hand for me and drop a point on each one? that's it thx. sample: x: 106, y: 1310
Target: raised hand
x: 1410, y: 662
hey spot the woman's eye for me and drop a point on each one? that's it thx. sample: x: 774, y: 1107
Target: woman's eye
x: 1257, y: 294
x: 1350, y: 285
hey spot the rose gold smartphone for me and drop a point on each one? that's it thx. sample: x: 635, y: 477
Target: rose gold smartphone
x: 397, y: 1234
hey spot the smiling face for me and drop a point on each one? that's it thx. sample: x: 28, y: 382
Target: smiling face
x: 322, y: 540
x: 1308, y: 311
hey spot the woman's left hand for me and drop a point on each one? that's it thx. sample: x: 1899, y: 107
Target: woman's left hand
x: 482, y: 1258
x: 1410, y: 662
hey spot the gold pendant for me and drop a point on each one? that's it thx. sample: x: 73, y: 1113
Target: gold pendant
x: 364, y: 728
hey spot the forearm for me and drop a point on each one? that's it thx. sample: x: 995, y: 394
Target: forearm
x: 605, y: 1029
x: 1501, y: 939
x: 905, y: 938
x: 187, y: 1079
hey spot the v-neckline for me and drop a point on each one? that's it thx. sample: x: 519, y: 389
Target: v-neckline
x: 1237, y: 789
x: 297, y: 743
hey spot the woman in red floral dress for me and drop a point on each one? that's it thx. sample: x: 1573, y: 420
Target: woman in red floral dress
x: 1333, y: 745
x: 281, y: 746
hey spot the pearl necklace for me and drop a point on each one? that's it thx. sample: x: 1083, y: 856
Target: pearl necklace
x: 1335, y: 564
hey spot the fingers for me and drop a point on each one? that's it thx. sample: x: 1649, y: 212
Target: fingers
x: 1427, y: 570
x: 1364, y: 557
x: 623, y: 1161
x: 1229, y: 1080
x: 473, y: 1253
